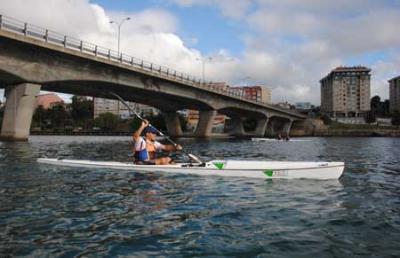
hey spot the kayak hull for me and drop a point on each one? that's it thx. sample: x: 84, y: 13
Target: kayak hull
x: 277, y: 140
x: 231, y: 168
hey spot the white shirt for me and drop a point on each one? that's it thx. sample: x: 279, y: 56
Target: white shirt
x: 141, y: 145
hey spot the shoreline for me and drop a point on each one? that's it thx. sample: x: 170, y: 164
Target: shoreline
x: 319, y: 133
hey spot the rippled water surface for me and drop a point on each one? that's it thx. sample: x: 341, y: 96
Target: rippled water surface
x: 48, y: 211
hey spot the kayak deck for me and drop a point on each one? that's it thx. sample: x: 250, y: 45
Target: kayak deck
x: 233, y: 168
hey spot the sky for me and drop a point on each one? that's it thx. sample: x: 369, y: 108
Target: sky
x: 287, y: 45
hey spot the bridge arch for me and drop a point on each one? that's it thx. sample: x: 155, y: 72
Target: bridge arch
x: 278, y: 125
x: 237, y: 116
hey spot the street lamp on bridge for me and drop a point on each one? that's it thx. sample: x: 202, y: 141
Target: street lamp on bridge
x: 203, y: 63
x: 119, y: 29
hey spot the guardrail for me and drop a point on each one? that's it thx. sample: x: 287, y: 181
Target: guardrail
x: 51, y: 37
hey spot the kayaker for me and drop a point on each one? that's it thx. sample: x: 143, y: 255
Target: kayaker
x: 146, y: 147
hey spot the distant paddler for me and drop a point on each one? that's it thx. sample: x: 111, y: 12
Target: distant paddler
x: 146, y: 147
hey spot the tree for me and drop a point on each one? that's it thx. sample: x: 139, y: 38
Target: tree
x: 158, y: 121
x: 375, y: 103
x: 370, y: 117
x: 40, y: 116
x: 381, y: 108
x: 135, y: 124
x: 107, y: 121
x: 58, y: 115
x: 81, y: 110
x: 396, y: 118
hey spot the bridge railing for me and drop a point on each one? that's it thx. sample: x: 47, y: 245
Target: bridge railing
x: 51, y: 37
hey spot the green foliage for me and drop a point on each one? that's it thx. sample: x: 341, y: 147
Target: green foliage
x: 58, y: 115
x: 81, y: 111
x: 375, y: 102
x: 135, y: 124
x: 107, y: 121
x: 316, y: 111
x: 396, y: 118
x: 157, y: 121
x: 370, y: 117
x: 326, y: 119
x: 40, y: 117
x: 380, y: 108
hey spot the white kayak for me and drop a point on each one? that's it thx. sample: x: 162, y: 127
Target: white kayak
x: 232, y: 168
x: 276, y: 140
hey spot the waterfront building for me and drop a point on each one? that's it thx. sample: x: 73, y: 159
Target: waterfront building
x: 345, y: 92
x: 394, y: 94
x: 48, y: 100
x: 192, y: 117
x: 116, y: 107
x: 285, y: 105
x: 219, y: 85
x: 304, y: 108
x: 255, y: 93
x: 303, y: 105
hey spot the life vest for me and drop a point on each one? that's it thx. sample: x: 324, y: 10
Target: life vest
x: 148, y: 153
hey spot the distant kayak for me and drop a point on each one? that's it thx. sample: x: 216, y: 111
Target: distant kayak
x: 230, y: 168
x: 276, y: 140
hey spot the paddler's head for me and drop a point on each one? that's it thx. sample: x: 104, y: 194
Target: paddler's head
x: 150, y: 133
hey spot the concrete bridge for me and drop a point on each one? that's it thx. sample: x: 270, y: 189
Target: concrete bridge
x: 34, y: 59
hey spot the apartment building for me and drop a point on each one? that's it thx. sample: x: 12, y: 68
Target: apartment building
x: 394, y: 94
x: 48, y: 100
x: 117, y: 108
x: 345, y: 92
x: 255, y: 93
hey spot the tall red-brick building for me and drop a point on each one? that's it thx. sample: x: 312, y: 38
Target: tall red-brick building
x: 48, y: 100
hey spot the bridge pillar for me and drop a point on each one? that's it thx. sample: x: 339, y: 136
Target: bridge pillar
x: 287, y: 127
x: 236, y: 125
x: 261, y: 127
x: 270, y: 131
x: 173, y: 124
x: 204, y: 126
x: 20, y: 105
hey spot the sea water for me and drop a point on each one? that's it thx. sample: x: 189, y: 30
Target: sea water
x: 50, y: 211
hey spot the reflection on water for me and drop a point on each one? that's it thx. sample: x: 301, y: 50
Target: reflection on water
x: 51, y: 211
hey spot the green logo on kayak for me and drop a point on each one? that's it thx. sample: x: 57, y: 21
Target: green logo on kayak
x: 219, y: 165
x: 268, y: 172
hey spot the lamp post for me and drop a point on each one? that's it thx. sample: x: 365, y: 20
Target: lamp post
x: 119, y: 29
x: 203, y: 63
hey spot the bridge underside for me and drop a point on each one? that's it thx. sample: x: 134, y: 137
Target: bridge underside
x: 167, y: 103
x: 160, y: 100
x: 27, y: 65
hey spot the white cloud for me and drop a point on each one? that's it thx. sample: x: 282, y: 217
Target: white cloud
x: 295, y: 43
x: 229, y: 8
x: 149, y: 35
x: 289, y: 44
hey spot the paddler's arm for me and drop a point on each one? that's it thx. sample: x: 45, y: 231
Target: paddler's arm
x: 136, y: 135
x: 171, y: 147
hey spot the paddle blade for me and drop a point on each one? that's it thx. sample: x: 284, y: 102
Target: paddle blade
x: 193, y: 157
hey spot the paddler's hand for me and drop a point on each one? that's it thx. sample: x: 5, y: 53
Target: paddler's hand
x: 145, y: 123
x: 178, y: 147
